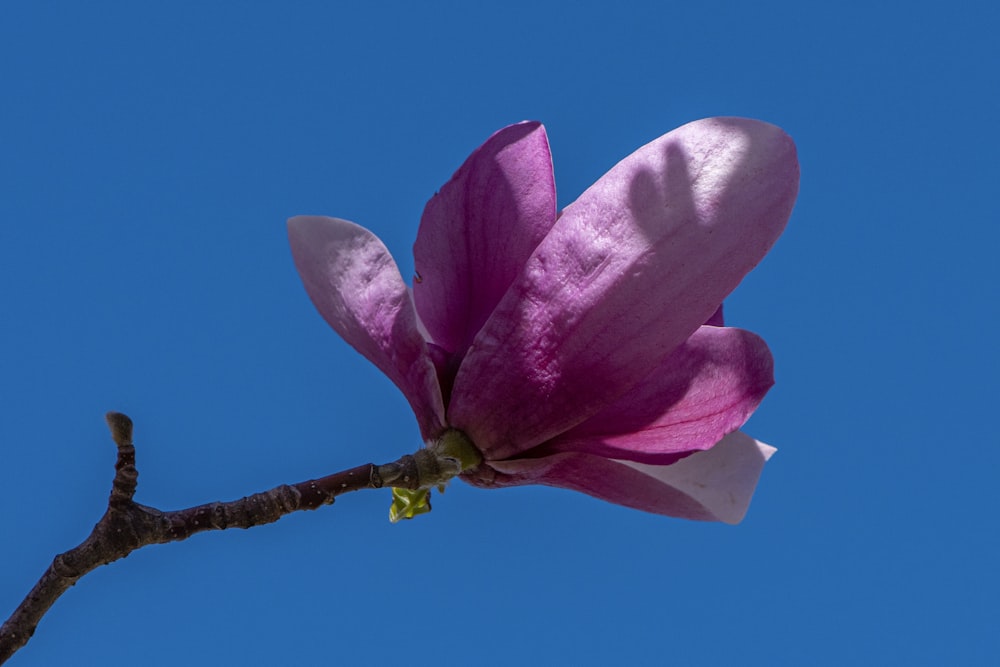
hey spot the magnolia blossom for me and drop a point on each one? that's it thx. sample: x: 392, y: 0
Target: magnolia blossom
x: 582, y: 349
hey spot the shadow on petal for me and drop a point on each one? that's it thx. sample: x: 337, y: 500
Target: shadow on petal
x: 629, y: 271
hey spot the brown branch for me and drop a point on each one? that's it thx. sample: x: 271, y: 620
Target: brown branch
x: 127, y: 525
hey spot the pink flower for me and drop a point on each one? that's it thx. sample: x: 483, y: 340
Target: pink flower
x: 582, y: 349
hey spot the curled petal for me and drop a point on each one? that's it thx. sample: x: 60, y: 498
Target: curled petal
x: 355, y: 285
x: 706, y: 388
x: 628, y: 272
x: 478, y: 231
x: 713, y: 485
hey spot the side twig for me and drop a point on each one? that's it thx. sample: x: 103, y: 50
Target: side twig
x: 127, y: 525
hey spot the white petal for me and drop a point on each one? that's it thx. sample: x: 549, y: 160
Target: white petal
x: 722, y: 478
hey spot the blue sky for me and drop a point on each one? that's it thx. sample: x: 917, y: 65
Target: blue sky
x: 148, y: 160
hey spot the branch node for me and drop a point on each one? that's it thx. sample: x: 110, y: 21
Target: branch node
x: 403, y: 473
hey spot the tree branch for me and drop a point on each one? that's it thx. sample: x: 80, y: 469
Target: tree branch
x: 127, y: 525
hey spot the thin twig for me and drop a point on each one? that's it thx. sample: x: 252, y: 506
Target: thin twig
x: 127, y: 525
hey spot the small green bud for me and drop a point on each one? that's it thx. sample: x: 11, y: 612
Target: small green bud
x: 407, y: 503
x: 448, y: 456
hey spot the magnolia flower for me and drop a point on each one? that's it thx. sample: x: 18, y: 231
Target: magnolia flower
x: 582, y: 349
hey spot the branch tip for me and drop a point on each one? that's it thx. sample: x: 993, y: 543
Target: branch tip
x: 121, y: 428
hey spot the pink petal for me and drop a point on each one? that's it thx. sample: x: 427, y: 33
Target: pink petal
x: 713, y: 485
x: 628, y: 272
x: 478, y: 231
x: 706, y: 388
x: 355, y: 285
